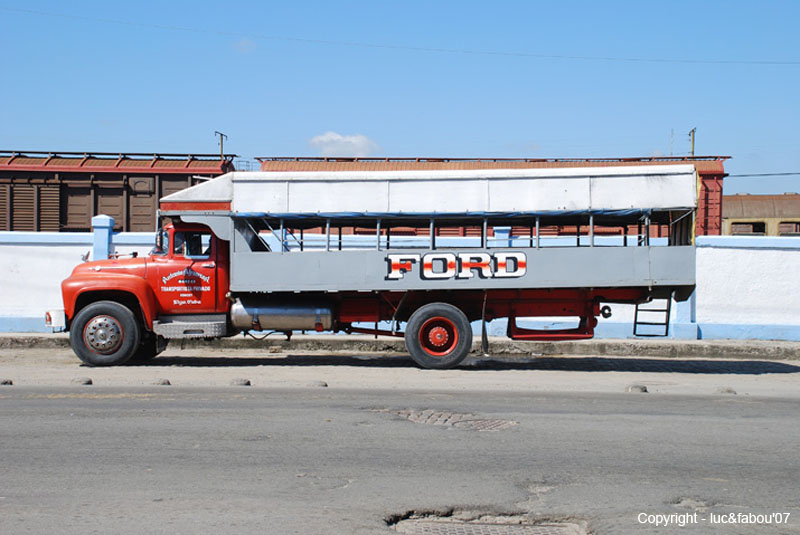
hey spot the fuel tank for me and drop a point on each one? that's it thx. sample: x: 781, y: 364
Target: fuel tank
x: 263, y: 314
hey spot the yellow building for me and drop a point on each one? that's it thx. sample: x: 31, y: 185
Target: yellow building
x: 761, y: 215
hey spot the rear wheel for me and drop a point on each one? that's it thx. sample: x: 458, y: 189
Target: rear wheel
x: 105, y: 333
x: 438, y: 336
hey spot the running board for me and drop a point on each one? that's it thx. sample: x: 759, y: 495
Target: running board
x: 191, y: 326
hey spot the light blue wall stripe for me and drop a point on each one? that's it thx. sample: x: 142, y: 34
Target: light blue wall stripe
x: 714, y: 331
x: 45, y: 238
x: 748, y: 242
x: 606, y: 330
x: 23, y: 324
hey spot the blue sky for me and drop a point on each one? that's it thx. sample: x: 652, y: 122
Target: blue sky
x: 381, y: 78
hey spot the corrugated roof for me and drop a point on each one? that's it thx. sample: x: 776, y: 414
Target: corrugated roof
x: 72, y: 162
x: 704, y: 164
x: 761, y: 206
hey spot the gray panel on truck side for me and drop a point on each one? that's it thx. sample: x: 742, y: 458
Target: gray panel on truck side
x: 549, y: 267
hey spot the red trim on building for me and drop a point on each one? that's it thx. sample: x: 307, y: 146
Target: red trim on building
x: 196, y: 206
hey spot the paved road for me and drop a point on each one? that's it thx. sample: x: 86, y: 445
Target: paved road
x: 328, y: 460
x: 210, y: 367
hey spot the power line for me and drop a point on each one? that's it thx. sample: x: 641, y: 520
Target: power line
x: 409, y: 48
x: 763, y: 174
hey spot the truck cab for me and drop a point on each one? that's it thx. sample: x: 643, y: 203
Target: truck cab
x: 183, y: 271
x: 119, y: 309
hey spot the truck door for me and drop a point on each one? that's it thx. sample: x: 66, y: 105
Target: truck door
x: 186, y: 276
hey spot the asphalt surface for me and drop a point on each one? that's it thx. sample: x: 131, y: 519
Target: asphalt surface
x: 333, y: 460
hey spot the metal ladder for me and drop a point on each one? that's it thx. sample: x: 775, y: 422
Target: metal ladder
x: 659, y: 310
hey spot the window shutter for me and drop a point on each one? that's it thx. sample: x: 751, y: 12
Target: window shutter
x: 23, y: 207
x: 49, y: 206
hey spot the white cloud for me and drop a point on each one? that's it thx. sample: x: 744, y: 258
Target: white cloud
x: 245, y: 45
x: 335, y: 144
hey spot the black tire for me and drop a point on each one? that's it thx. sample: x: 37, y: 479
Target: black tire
x: 438, y: 336
x: 105, y: 333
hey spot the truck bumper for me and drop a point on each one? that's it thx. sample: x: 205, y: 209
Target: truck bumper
x: 56, y: 320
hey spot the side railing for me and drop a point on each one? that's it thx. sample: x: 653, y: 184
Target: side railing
x: 329, y: 234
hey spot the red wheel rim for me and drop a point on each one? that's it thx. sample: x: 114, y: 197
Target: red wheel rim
x: 438, y: 336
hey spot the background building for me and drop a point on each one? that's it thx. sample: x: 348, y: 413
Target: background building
x: 761, y: 215
x: 48, y: 191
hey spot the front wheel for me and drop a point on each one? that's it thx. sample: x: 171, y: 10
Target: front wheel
x: 438, y: 336
x: 105, y: 333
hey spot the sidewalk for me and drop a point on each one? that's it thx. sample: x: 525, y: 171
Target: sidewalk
x: 498, y: 346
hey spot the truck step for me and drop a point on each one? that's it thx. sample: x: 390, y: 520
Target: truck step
x: 191, y: 326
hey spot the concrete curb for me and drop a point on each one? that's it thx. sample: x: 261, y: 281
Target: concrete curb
x: 712, y: 349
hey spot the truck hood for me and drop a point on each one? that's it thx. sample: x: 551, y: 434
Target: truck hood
x: 128, y: 266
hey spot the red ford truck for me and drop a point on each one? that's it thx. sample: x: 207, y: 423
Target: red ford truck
x: 417, y: 254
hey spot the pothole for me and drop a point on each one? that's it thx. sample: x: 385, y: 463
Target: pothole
x: 451, y: 419
x: 432, y: 527
x: 463, y: 523
x: 692, y: 503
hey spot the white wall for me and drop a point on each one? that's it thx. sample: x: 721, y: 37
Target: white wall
x: 32, y: 266
x: 746, y: 287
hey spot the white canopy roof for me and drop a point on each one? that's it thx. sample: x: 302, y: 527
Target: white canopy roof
x: 653, y: 187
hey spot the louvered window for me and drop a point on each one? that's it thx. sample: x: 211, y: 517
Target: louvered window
x: 5, y: 198
x: 49, y: 207
x: 23, y: 209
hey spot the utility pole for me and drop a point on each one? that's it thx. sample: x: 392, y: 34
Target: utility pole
x: 223, y: 136
x: 691, y: 136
